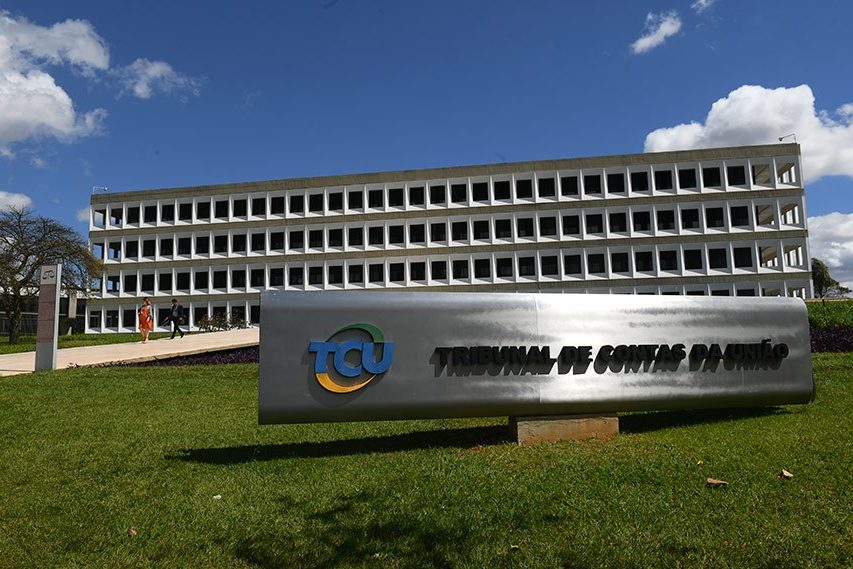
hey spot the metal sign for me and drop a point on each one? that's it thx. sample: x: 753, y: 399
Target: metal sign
x: 50, y: 279
x: 344, y: 356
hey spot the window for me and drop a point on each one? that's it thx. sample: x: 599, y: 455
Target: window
x: 131, y: 249
x: 133, y: 215
x: 259, y: 242
x: 458, y: 193
x: 547, y: 187
x: 416, y: 196
x: 241, y: 208
x: 502, y: 190
x: 739, y: 215
x: 277, y: 241
x: 527, y: 266
x: 714, y: 217
x: 547, y: 226
x: 277, y: 205
x: 259, y: 207
x: 397, y: 272
x: 297, y: 204
x: 592, y: 184
x: 356, y: 274
x: 220, y: 244
x: 355, y: 199
x: 572, y: 264
x: 221, y: 209
x: 717, y: 258
x: 616, y: 183
x: 165, y: 282
x: 376, y: 273
x: 460, y: 269
x: 112, y: 284
x: 643, y: 261
x: 149, y: 248
x: 693, y: 259
x: 687, y: 179
x: 619, y: 262
x: 257, y: 278
x: 220, y: 279
x: 482, y: 268
x: 238, y: 243
x: 438, y: 270
x: 114, y: 249
x: 480, y: 191
x: 376, y: 235
x: 182, y: 281
x: 201, y: 280
x: 315, y: 276
x: 417, y: 233
x: 549, y: 265
x: 571, y: 225
x: 746, y: 292
x: 569, y: 185
x: 481, y: 229
x: 524, y: 189
x: 742, y: 257
x: 355, y: 236
x: 277, y: 277
x: 503, y: 229
x: 336, y: 201
x: 297, y: 239
x: 167, y: 247
x: 315, y: 238
x: 130, y: 284
x: 255, y: 314
x: 199, y: 314
x: 668, y: 260
x: 711, y: 177
x: 417, y: 271
x: 375, y: 199
x: 111, y: 319
x: 720, y: 292
x: 690, y: 219
x: 397, y: 234
x: 167, y: 212
x: 459, y: 230
x: 437, y: 232
x: 150, y: 214
x: 336, y: 238
x: 128, y: 318
x: 666, y: 220
x: 296, y: 276
x: 736, y: 175
x: 524, y: 227
x: 94, y: 320
x: 336, y: 274
x: 202, y: 244
x: 315, y: 203
x: 147, y: 283
x: 618, y: 222
x: 184, y: 246
x: 395, y: 197
x: 640, y: 181
x: 594, y: 223
x: 503, y: 267
x: 436, y: 195
x: 595, y: 263
x: 663, y: 179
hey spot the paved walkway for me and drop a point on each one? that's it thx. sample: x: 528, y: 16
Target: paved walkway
x: 14, y: 364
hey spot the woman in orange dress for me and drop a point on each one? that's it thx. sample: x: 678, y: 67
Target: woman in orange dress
x: 146, y: 320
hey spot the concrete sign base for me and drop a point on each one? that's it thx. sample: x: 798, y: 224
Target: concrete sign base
x: 554, y: 428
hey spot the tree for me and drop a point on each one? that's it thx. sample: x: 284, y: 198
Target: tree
x: 27, y: 242
x: 824, y: 285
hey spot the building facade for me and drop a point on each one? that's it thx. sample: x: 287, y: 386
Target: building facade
x: 725, y: 221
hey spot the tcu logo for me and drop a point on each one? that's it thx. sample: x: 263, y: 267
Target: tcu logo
x: 376, y: 357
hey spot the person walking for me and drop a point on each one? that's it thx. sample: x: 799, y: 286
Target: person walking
x: 146, y: 320
x: 176, y: 314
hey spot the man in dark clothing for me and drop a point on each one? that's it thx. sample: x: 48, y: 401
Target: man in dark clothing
x: 176, y: 314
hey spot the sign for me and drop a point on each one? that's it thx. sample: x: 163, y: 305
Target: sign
x: 50, y: 280
x: 342, y: 356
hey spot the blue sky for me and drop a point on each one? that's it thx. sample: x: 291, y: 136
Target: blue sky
x: 164, y: 94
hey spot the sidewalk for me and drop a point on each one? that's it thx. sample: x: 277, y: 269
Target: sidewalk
x: 24, y: 362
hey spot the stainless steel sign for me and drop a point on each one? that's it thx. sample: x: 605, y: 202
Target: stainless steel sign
x: 342, y: 356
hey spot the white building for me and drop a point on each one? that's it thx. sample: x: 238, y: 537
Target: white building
x: 725, y: 221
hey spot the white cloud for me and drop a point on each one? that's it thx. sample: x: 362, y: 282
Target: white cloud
x: 83, y: 214
x: 752, y: 114
x: 658, y: 28
x: 831, y: 240
x: 38, y: 162
x: 11, y: 199
x: 144, y: 78
x: 700, y: 6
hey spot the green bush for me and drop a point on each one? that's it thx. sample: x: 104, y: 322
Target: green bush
x: 832, y: 313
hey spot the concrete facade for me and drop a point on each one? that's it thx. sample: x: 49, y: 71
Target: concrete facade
x: 725, y: 221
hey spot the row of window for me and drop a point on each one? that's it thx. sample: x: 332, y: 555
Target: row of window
x: 617, y: 183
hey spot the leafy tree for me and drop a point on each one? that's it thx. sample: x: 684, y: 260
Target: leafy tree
x: 824, y: 285
x: 27, y: 242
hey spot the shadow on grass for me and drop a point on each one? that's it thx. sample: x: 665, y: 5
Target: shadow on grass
x: 656, y: 420
x: 448, y: 438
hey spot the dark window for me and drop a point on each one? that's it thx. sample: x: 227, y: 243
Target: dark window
x: 746, y: 292
x: 438, y: 270
x: 315, y: 276
x: 111, y: 319
x: 527, y: 266
x: 547, y: 226
x: 619, y: 262
x: 255, y: 314
x: 417, y: 271
x: 417, y: 233
x: 376, y: 235
x: 690, y: 219
x: 695, y: 293
x: 569, y: 185
x: 277, y: 277
x: 524, y: 189
x: 221, y: 209
x: 736, y: 175
x: 182, y: 281
x: 150, y: 214
x: 571, y: 225
x: 133, y: 215
x: 693, y: 259
x: 714, y: 217
x: 592, y: 184
x: 503, y: 267
x: 502, y: 190
x: 164, y: 282
x: 742, y: 257
x: 524, y: 227
x: 277, y: 205
x: 128, y: 318
x: 199, y: 314
x: 482, y: 268
x: 147, y: 283
x: 458, y: 193
x: 663, y: 179
x: 481, y: 229
x: 297, y: 239
x: 711, y: 177
x: 460, y: 269
x: 618, y: 222
x: 717, y: 258
x: 220, y: 243
x: 720, y: 292
x: 355, y: 199
x: 437, y: 232
x: 149, y: 248
x: 315, y: 238
x: 315, y: 203
x: 436, y: 194
x: 167, y: 247
x: 356, y: 273
x: 459, y: 230
x: 376, y: 273
x: 202, y: 244
x: 238, y: 243
x: 296, y: 276
x: 595, y: 263
x: 549, y: 265
x: 643, y: 261
x: 336, y: 274
x: 480, y: 191
x: 355, y: 236
x: 184, y: 246
x: 572, y: 264
x: 130, y: 284
x: 131, y: 249
x: 277, y: 241
x: 167, y: 212
x: 241, y: 208
x: 395, y: 197
x: 201, y: 280
x: 594, y: 223
x: 259, y: 242
x: 642, y: 221
x: 503, y: 229
x: 666, y: 220
x: 640, y: 181
x: 547, y: 187
x: 297, y: 204
x: 257, y: 278
x: 668, y: 260
x: 375, y: 198
x: 616, y: 183
x: 336, y: 238
x: 687, y: 178
x: 416, y: 196
x: 739, y: 215
x: 336, y: 201
x: 259, y: 206
x: 238, y: 278
x: 397, y: 234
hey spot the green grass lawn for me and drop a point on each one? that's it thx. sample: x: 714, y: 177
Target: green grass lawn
x: 86, y: 454
x: 28, y: 343
x: 830, y: 313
